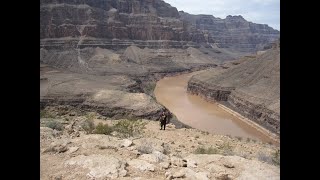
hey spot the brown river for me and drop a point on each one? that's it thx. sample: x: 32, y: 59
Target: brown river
x: 194, y: 111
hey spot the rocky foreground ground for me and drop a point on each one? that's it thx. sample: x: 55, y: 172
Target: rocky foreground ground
x: 75, y: 146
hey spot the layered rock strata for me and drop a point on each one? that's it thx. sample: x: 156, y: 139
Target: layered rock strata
x: 251, y: 87
x: 233, y: 32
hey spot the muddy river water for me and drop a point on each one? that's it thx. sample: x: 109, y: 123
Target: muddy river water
x: 198, y: 113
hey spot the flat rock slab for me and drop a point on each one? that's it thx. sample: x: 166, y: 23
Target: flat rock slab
x: 101, y: 167
x: 141, y: 165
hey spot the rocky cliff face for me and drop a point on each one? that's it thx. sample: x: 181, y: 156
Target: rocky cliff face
x: 251, y: 87
x: 114, y: 19
x: 233, y: 32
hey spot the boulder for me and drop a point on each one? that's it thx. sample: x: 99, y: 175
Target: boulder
x: 100, y: 166
x: 141, y: 165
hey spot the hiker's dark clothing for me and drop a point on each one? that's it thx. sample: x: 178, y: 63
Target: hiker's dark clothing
x: 163, y: 122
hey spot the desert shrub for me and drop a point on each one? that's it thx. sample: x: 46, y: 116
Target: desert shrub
x: 226, y: 149
x: 103, y: 129
x: 276, y: 157
x: 87, y: 125
x: 127, y: 128
x: 150, y: 87
x: 46, y: 114
x: 90, y: 116
x: 264, y: 157
x: 248, y: 139
x: 243, y: 154
x: 202, y: 150
x: 145, y: 148
x: 54, y: 125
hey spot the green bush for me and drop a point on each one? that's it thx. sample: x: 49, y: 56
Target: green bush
x: 202, y: 150
x: 54, y: 125
x: 127, y: 128
x: 90, y: 116
x: 46, y: 114
x: 88, y: 126
x: 276, y: 157
x: 226, y: 149
x: 149, y: 88
x: 102, y: 129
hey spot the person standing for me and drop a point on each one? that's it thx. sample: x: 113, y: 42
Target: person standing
x: 163, y: 120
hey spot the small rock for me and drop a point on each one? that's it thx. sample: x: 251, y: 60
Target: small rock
x: 178, y: 162
x: 72, y: 114
x: 58, y: 147
x: 100, y: 166
x: 155, y: 157
x: 222, y: 176
x: 168, y: 175
x: 131, y: 148
x: 228, y: 165
x: 179, y: 174
x: 136, y: 152
x: 164, y: 165
x: 137, y: 178
x: 59, y: 177
x: 141, y: 165
x: 191, y: 163
x: 72, y: 150
x: 126, y: 143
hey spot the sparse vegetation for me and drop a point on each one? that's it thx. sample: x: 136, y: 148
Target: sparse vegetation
x: 248, y: 139
x: 103, y: 129
x: 276, y: 157
x: 54, y: 125
x: 46, y: 114
x: 264, y: 157
x: 149, y: 88
x: 127, y: 128
x: 226, y: 149
x: 210, y: 150
x: 88, y: 126
x: 90, y: 116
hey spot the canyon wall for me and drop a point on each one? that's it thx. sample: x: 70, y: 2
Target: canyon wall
x: 250, y: 86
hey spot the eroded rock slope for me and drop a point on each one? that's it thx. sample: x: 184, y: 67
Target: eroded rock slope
x: 251, y: 86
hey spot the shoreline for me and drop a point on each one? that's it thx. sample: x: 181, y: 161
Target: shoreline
x: 251, y: 123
